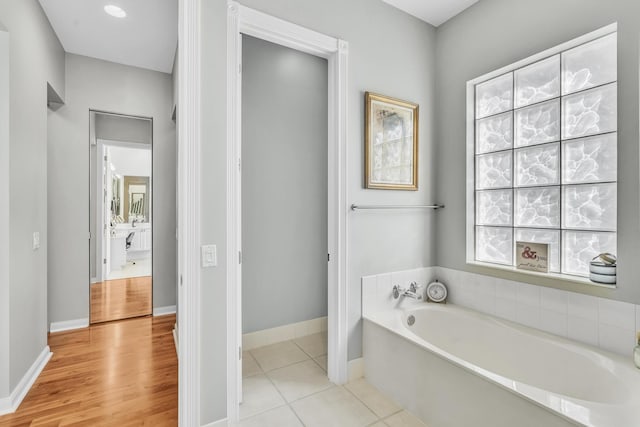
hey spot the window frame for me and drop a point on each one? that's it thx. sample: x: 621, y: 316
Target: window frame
x: 471, y: 154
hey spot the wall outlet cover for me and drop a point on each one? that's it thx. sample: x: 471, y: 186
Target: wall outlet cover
x: 209, y: 256
x: 36, y: 240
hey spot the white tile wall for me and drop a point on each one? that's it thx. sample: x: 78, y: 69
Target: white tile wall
x: 377, y: 290
x: 608, y: 324
x: 583, y: 306
x: 583, y: 330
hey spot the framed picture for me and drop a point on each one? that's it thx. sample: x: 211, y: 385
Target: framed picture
x: 532, y: 256
x: 391, y: 143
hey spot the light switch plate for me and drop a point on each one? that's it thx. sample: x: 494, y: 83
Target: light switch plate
x: 36, y: 240
x: 209, y: 256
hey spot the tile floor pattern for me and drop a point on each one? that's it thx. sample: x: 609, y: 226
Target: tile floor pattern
x: 286, y: 385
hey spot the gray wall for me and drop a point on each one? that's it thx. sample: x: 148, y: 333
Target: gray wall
x: 389, y: 52
x: 119, y: 128
x: 5, y: 247
x: 496, y: 33
x: 36, y: 59
x: 100, y: 85
x: 284, y: 185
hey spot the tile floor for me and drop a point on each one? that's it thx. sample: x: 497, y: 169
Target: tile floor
x: 141, y: 268
x: 286, y: 384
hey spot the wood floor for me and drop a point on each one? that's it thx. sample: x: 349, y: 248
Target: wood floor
x: 114, y: 374
x: 121, y: 299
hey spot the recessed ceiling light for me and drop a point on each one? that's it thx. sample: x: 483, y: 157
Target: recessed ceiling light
x: 114, y: 10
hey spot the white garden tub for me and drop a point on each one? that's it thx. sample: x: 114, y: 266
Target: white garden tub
x: 460, y: 368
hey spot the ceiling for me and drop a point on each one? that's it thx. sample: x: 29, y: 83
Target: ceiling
x: 435, y: 12
x: 146, y: 38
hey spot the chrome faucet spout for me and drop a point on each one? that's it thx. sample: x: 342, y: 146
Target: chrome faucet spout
x: 412, y: 292
x: 413, y: 295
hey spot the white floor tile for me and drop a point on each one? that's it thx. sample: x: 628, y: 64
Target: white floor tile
x: 259, y: 395
x: 276, y: 356
x: 141, y: 268
x: 322, y: 361
x: 300, y: 380
x: 279, y: 417
x: 380, y: 404
x: 249, y: 365
x: 314, y: 345
x: 378, y: 424
x: 334, y: 407
x: 404, y: 419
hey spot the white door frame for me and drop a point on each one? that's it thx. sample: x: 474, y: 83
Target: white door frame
x: 102, y: 240
x: 243, y: 20
x: 189, y: 136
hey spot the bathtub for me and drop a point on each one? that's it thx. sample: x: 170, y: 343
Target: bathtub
x: 455, y: 367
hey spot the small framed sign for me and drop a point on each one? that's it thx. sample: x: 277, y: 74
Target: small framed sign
x: 532, y: 256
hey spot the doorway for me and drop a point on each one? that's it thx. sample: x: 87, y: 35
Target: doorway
x: 243, y: 21
x: 121, y: 216
x: 284, y: 222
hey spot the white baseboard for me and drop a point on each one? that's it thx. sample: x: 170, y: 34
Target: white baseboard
x: 10, y: 404
x: 164, y: 311
x: 283, y: 333
x: 218, y: 423
x: 356, y: 369
x: 68, y: 325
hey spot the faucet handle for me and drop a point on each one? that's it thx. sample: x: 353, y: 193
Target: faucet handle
x: 413, y: 287
x: 397, y: 290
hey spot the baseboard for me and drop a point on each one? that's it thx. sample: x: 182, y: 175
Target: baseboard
x: 283, y: 333
x: 164, y: 311
x: 218, y: 423
x: 68, y: 325
x: 356, y: 369
x: 10, y: 404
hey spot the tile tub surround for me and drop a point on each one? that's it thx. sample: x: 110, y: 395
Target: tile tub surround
x: 454, y: 357
x: 440, y: 393
x: 607, y: 324
x: 285, y: 384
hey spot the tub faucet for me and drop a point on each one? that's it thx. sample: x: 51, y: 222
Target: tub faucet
x: 412, y: 292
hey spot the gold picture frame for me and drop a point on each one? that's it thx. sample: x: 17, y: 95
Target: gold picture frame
x: 391, y: 143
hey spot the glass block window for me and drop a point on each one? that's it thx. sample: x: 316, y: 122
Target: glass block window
x: 545, y: 158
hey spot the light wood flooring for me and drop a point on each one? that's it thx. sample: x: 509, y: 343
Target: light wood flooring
x: 121, y: 299
x: 113, y: 374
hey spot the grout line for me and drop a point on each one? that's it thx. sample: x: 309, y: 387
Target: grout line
x: 257, y: 414
x: 365, y: 405
x: 248, y: 352
x: 290, y: 364
x: 395, y: 413
x: 318, y: 363
x: 303, y: 397
x: 286, y: 403
x: 296, y: 415
x: 368, y: 407
x: 303, y: 350
x: 266, y: 375
x: 257, y: 363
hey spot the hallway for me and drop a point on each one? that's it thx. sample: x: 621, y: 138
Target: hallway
x: 114, y: 374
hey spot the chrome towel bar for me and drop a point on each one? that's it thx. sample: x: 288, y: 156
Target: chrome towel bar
x: 355, y: 207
